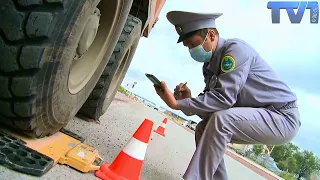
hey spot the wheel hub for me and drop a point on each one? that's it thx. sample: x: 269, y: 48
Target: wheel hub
x: 94, y: 39
x: 89, y: 33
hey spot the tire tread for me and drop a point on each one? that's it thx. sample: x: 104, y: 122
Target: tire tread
x: 23, y: 38
x: 92, y: 103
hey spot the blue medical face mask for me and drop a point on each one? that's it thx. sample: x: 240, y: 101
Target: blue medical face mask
x: 199, y: 54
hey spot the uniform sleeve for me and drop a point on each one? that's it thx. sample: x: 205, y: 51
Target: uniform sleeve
x: 235, y: 66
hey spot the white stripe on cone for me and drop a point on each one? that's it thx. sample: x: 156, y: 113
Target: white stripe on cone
x: 136, y: 149
x: 163, y: 125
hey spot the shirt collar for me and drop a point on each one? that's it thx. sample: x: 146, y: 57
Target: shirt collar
x: 214, y: 63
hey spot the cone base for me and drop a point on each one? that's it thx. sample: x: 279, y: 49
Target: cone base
x: 105, y: 173
x: 161, y: 133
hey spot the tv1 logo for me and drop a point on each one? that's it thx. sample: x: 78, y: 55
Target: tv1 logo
x: 295, y: 18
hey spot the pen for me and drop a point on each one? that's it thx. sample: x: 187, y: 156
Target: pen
x: 184, y: 84
x: 177, y: 92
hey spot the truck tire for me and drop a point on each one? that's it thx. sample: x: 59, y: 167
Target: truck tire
x: 52, y: 55
x: 118, y: 65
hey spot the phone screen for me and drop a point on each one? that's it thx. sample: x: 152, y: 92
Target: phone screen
x: 154, y: 80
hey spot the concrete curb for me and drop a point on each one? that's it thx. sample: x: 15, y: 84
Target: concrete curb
x: 253, y: 166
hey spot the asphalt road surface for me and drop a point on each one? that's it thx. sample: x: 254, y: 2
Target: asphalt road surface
x: 166, y: 157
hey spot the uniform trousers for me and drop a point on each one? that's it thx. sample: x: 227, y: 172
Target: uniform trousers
x: 240, y: 125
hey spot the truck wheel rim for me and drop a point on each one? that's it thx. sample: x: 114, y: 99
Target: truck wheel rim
x: 116, y: 80
x: 93, y: 44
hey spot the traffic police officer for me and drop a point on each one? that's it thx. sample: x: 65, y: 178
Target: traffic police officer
x: 244, y: 101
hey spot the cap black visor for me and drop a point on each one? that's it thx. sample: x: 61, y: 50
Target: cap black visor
x: 186, y: 36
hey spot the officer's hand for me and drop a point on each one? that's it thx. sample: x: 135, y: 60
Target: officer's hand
x: 182, y: 92
x: 167, y: 96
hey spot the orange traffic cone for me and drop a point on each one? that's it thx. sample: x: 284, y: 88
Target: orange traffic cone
x: 127, y: 165
x: 162, y: 127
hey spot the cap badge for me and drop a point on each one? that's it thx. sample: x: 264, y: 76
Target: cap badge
x: 179, y: 30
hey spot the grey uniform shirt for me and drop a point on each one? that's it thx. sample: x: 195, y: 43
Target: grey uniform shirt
x: 244, y: 79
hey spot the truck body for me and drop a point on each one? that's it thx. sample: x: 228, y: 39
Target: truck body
x: 62, y: 58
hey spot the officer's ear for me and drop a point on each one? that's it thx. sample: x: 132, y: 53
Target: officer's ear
x: 212, y: 34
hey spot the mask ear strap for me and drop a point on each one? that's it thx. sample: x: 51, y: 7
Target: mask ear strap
x: 205, y: 39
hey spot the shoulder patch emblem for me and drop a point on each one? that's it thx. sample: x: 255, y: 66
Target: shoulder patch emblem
x: 227, y: 64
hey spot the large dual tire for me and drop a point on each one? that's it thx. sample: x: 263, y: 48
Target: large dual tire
x: 108, y: 84
x: 53, y: 53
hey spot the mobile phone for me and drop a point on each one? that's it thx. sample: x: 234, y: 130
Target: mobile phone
x: 154, y: 80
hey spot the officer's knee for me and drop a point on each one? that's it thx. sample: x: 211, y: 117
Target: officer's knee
x: 218, y: 116
x: 219, y: 119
